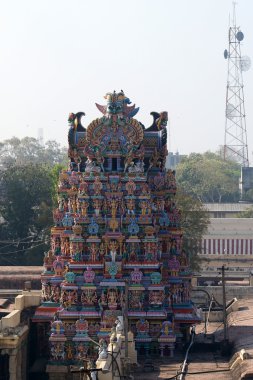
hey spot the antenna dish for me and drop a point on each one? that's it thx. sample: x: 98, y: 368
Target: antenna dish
x: 225, y: 54
x: 245, y: 63
x: 239, y: 36
x: 230, y: 111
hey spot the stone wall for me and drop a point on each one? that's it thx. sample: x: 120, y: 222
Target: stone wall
x: 238, y: 292
x: 14, y: 335
x: 14, y: 277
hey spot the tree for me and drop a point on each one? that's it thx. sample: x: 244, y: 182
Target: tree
x: 28, y: 184
x: 29, y: 151
x: 26, y: 210
x: 248, y: 196
x: 248, y: 213
x: 209, y: 178
x: 194, y: 223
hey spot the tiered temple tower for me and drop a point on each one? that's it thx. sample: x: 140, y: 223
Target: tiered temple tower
x: 116, y: 246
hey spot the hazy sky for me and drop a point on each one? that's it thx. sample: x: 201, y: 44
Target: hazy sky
x: 61, y: 56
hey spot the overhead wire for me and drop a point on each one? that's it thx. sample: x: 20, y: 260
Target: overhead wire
x: 21, y: 250
x: 15, y: 242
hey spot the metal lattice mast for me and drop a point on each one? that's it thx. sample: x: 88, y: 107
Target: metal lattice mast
x: 235, y: 146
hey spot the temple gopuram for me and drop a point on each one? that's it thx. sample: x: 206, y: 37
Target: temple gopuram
x: 116, y: 245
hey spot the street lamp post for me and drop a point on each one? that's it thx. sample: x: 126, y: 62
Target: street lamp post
x: 223, y: 280
x: 126, y: 319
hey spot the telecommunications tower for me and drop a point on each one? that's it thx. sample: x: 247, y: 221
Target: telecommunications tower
x: 235, y: 145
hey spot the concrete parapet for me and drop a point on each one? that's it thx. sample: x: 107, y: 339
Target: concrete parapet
x: 27, y: 299
x: 32, y: 298
x: 19, y: 303
x: 213, y: 316
x: 217, y: 315
x: 11, y: 320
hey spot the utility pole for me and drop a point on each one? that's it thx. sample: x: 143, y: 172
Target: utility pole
x: 126, y: 319
x: 224, y: 302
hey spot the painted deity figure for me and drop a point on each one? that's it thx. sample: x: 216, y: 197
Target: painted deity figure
x: 81, y: 326
x: 57, y: 327
x: 97, y: 205
x: 130, y: 187
x: 114, y: 206
x: 170, y: 180
x: 93, y: 252
x: 49, y: 258
x: 56, y: 293
x: 155, y: 160
x: 78, y: 205
x: 66, y: 205
x: 130, y: 206
x: 84, y: 208
x: 167, y: 328
x: 69, y: 351
x: 132, y: 255
x: 56, y: 245
x: 66, y: 247
x: 89, y: 297
x: 83, y: 188
x: 46, y: 292
x: 136, y: 276
x: 91, y: 166
x: 73, y: 205
x: 136, y: 168
x: 145, y: 190
x: 142, y: 327
x: 103, y: 298
x: 129, y: 159
x: 136, y: 299
x: 143, y: 206
x: 81, y: 351
x: 69, y: 298
x: 102, y: 250
x: 160, y: 204
x: 57, y: 215
x: 89, y: 275
x: 156, y: 297
x: 113, y: 245
x: 97, y: 186
x: 112, y: 298
x: 57, y: 351
x: 58, y: 266
x: 70, y: 206
x: 174, y: 266
x: 100, y: 160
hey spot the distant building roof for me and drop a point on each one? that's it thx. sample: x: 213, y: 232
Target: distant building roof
x: 14, y: 277
x: 227, y: 207
x: 227, y: 227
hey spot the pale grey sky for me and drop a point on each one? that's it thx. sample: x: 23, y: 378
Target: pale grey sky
x: 61, y: 56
